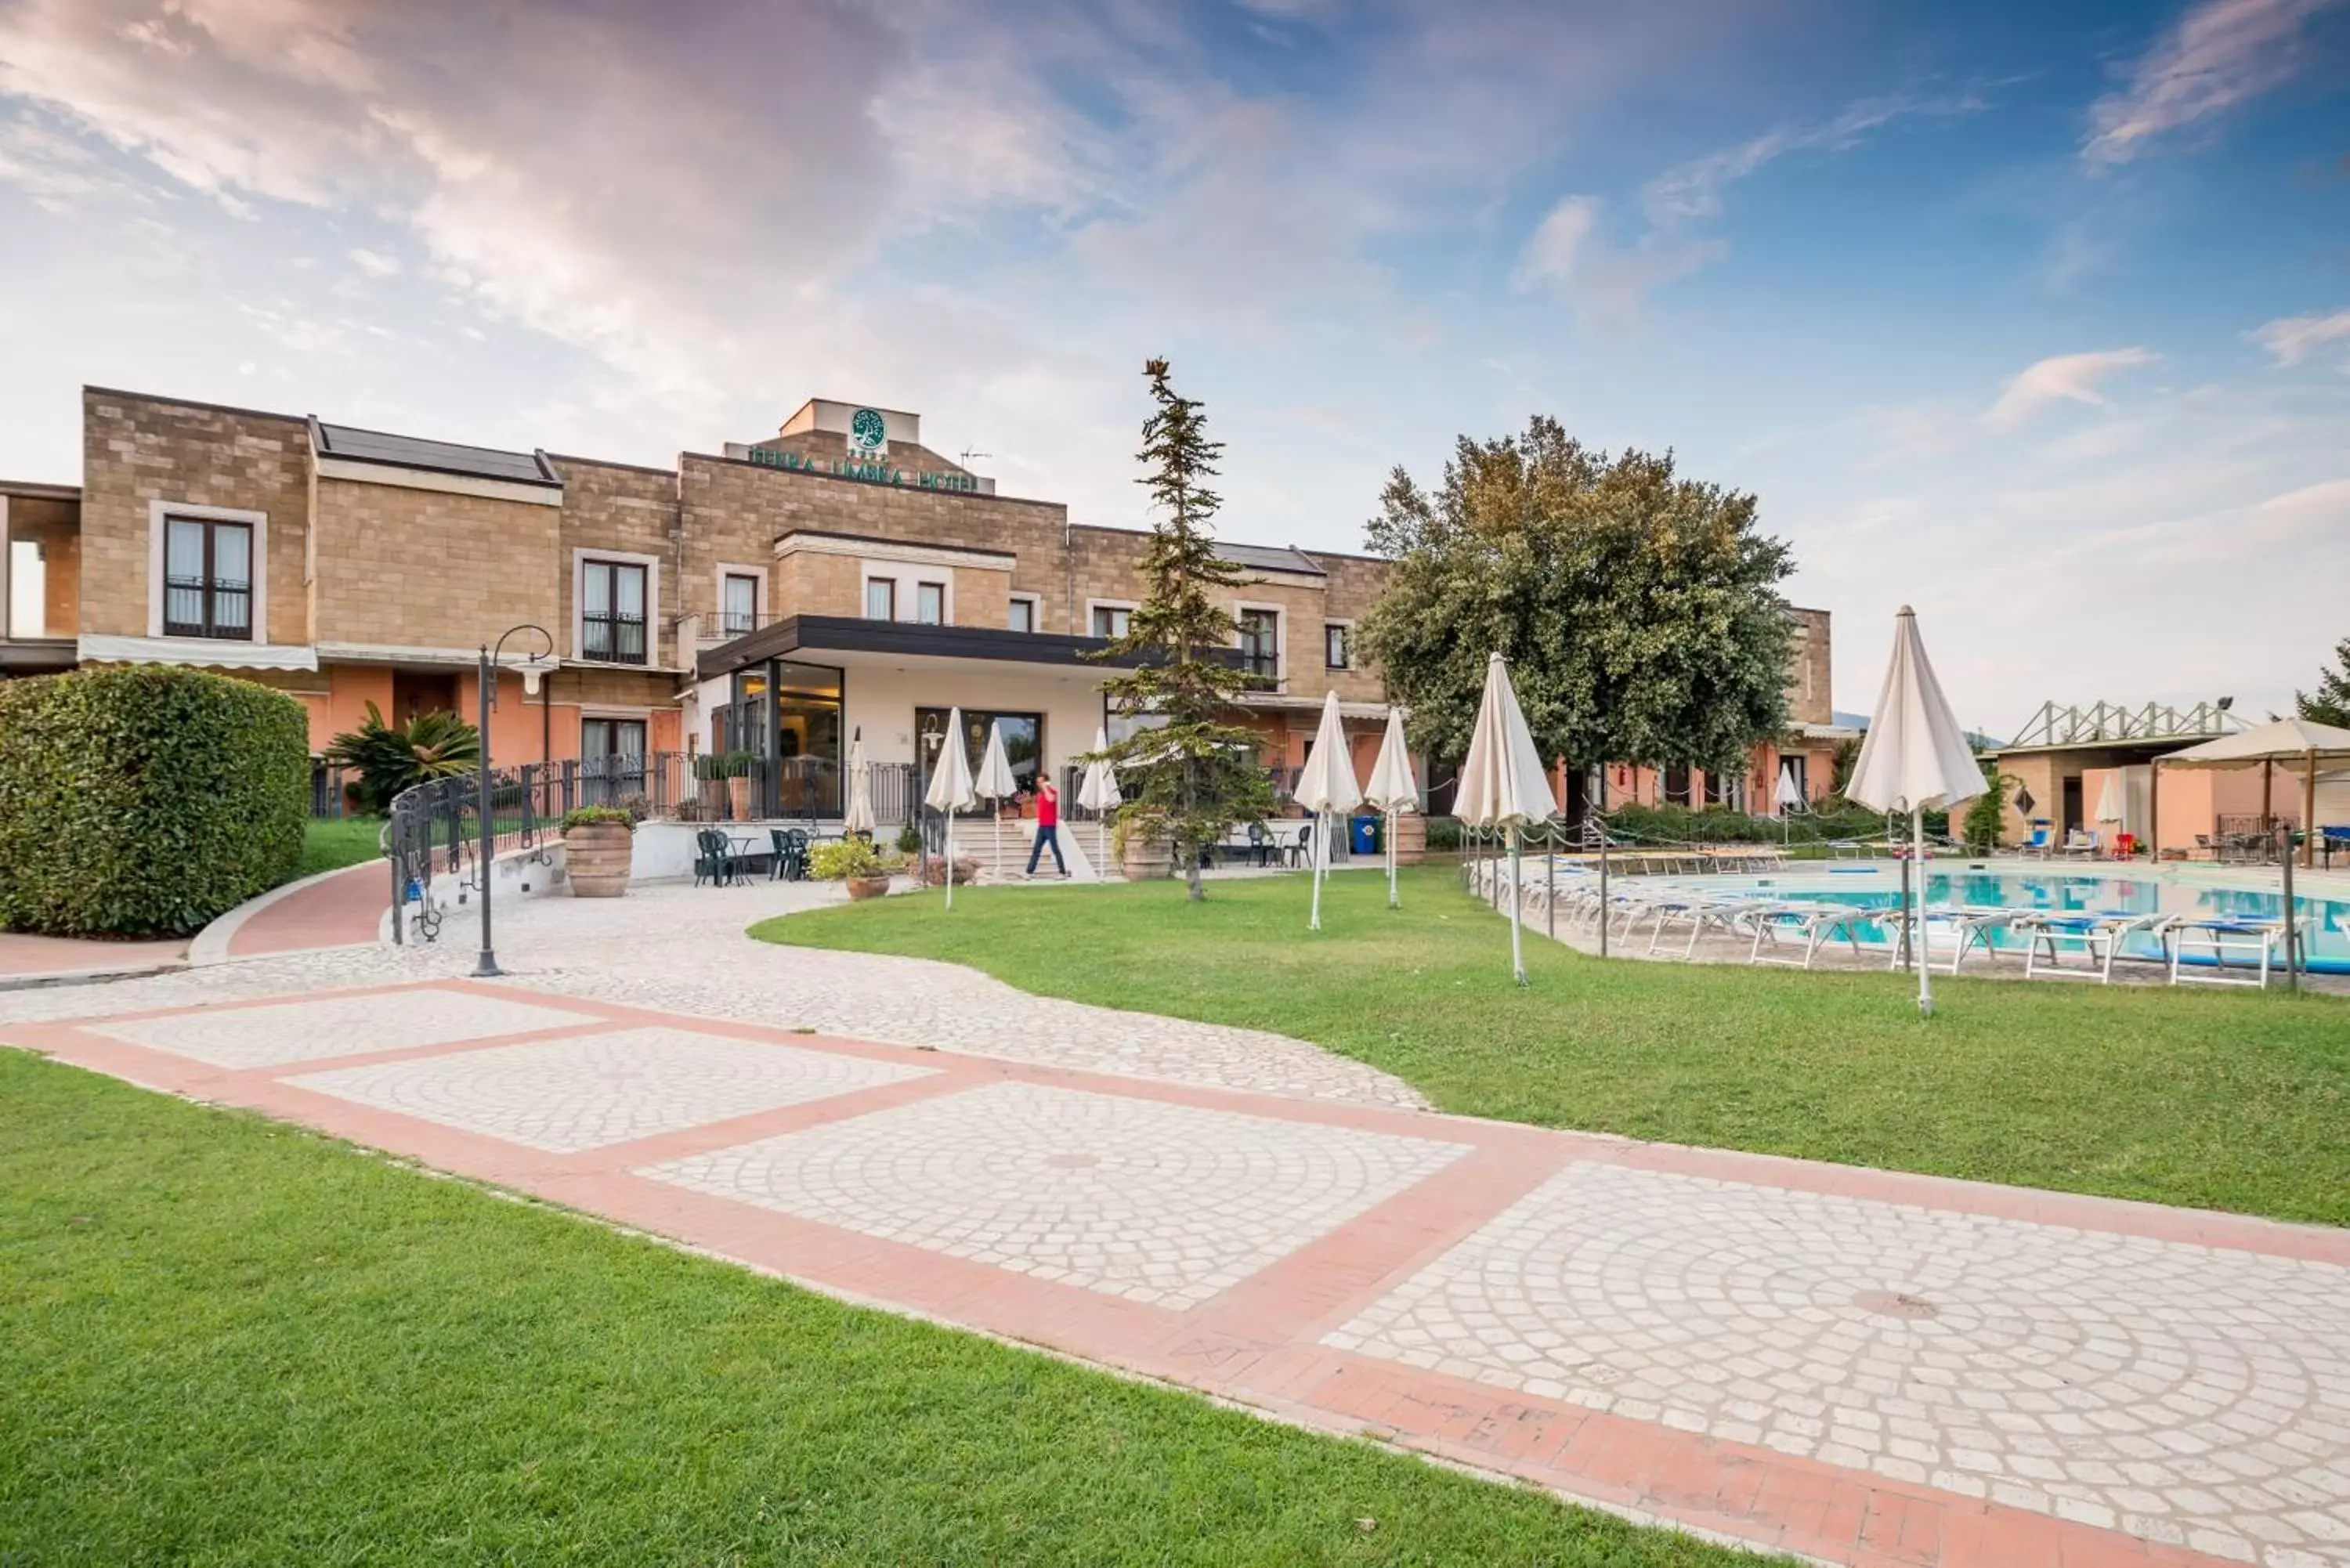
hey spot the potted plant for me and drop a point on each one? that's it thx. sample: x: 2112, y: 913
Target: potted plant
x: 1140, y: 843
x: 855, y: 862
x: 737, y: 766
x: 598, y: 844
x: 710, y: 784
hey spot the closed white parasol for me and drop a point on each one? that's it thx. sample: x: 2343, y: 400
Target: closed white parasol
x: 1393, y: 789
x: 1916, y: 757
x: 856, y: 812
x: 951, y: 788
x: 1097, y: 793
x: 1327, y: 788
x: 1504, y: 783
x: 994, y: 785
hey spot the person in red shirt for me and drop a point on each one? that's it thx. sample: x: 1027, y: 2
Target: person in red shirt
x: 1048, y: 827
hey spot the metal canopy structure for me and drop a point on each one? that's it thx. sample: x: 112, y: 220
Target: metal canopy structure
x: 2059, y: 726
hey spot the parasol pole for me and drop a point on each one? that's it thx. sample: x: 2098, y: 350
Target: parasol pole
x: 1517, y: 951
x: 2292, y: 945
x: 2308, y: 811
x: 1916, y: 943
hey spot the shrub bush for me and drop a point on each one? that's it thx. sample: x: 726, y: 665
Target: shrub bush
x: 595, y: 815
x: 846, y: 857
x: 1444, y: 833
x: 144, y: 800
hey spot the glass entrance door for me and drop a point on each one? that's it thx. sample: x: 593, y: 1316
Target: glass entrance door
x: 1023, y: 740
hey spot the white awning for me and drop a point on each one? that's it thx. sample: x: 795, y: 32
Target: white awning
x: 201, y: 652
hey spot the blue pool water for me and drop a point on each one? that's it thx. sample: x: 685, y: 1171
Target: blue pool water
x: 2325, y: 921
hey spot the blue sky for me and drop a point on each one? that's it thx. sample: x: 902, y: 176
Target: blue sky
x: 2036, y: 317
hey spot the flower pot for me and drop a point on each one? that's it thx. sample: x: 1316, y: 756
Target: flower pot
x: 1410, y: 839
x: 596, y: 855
x: 738, y: 799
x: 873, y: 887
x: 1147, y: 857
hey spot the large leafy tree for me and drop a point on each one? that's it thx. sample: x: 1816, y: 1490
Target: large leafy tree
x: 1195, y: 772
x: 2329, y: 703
x: 1639, y: 610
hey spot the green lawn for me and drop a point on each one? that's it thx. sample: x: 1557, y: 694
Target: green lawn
x: 330, y: 846
x: 225, y: 1340
x: 2237, y: 1101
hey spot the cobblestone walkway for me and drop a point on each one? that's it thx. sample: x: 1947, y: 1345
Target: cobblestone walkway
x: 682, y: 950
x: 1862, y: 1367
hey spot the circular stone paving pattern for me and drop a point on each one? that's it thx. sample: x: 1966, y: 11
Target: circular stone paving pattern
x: 2185, y: 1394
x: 1135, y: 1196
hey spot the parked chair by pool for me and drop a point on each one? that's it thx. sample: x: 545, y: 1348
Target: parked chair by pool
x: 2098, y: 937
x: 1968, y: 931
x: 2082, y: 844
x: 1815, y: 924
x: 2038, y: 846
x: 2220, y: 936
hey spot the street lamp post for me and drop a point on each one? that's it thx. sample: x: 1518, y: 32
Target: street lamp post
x: 486, y: 966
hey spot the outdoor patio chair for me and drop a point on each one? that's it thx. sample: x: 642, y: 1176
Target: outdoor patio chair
x: 715, y: 860
x: 2080, y: 844
x: 1815, y: 924
x: 2098, y: 937
x: 1260, y: 846
x: 2037, y: 846
x: 791, y: 857
x: 1302, y: 852
x: 2220, y: 936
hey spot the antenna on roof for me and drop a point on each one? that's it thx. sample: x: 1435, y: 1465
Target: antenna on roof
x: 968, y: 455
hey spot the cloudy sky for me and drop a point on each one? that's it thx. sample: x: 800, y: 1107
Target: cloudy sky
x: 2036, y: 317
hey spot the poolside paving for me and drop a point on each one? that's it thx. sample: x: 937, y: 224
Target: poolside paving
x: 1859, y: 1366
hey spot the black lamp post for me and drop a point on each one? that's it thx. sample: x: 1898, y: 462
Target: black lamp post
x: 486, y: 966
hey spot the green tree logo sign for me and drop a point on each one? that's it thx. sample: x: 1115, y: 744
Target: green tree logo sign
x: 865, y: 430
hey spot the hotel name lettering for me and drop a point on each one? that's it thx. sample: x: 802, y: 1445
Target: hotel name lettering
x: 870, y: 472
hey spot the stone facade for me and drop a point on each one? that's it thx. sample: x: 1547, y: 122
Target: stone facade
x: 373, y: 570
x: 53, y: 525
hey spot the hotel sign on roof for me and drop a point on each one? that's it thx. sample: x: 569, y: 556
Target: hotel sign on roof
x: 869, y: 472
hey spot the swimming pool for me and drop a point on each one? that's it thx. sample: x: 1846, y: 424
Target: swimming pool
x: 2324, y: 918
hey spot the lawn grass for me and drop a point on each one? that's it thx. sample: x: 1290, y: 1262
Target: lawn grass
x: 347, y: 841
x: 2237, y: 1101
x: 225, y: 1340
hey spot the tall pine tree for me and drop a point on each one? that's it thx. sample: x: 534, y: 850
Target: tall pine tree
x: 1197, y: 772
x: 2329, y: 703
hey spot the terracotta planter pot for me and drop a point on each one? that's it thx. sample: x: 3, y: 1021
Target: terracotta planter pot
x: 863, y: 887
x: 1410, y: 839
x: 713, y: 800
x: 1147, y: 857
x: 738, y: 799
x: 596, y: 855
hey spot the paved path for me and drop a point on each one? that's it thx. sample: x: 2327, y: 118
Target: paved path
x: 1863, y: 1368
x: 26, y: 957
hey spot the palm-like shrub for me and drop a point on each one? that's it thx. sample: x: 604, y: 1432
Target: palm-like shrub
x: 388, y: 758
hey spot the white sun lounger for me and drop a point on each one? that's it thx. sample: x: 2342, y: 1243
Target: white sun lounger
x: 2099, y: 938
x: 1814, y: 923
x: 1967, y: 929
x: 2220, y: 936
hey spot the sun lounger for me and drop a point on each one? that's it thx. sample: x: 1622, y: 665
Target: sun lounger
x: 2218, y: 936
x: 1812, y: 924
x: 1967, y: 929
x: 2098, y: 937
x: 2081, y: 846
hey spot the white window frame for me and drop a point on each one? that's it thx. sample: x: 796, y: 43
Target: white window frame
x: 758, y: 595
x: 1128, y: 606
x: 1349, y: 627
x: 1280, y: 614
x: 652, y: 565
x: 158, y: 514
x: 1035, y: 603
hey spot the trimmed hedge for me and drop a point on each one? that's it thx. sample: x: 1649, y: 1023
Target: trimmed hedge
x: 146, y: 800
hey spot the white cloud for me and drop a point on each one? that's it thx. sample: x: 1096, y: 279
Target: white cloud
x: 375, y: 264
x: 1609, y: 282
x: 2221, y: 53
x: 2064, y: 377
x: 2290, y: 339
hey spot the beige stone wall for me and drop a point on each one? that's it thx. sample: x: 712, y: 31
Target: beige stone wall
x: 806, y: 583
x: 137, y: 450
x: 1809, y: 698
x: 420, y: 568
x: 736, y: 511
x: 983, y: 597
x: 56, y: 526
x: 630, y: 511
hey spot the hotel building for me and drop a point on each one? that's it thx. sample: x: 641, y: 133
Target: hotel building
x: 775, y: 598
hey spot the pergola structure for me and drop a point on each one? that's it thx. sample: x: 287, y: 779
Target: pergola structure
x: 2064, y: 738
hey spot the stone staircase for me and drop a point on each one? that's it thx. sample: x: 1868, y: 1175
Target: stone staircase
x: 1001, y: 850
